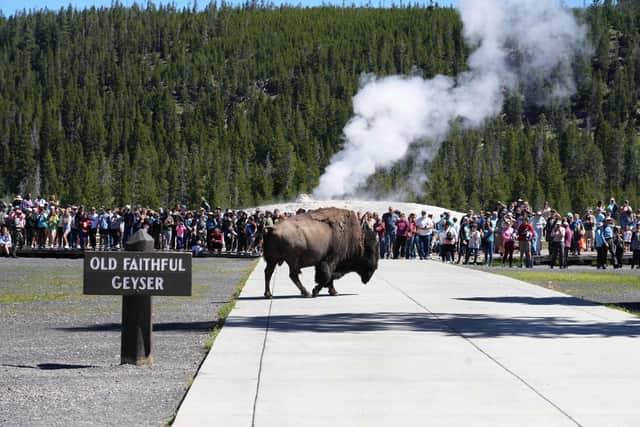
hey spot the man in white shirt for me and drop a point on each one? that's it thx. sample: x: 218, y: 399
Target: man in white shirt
x: 424, y: 230
x: 539, y: 223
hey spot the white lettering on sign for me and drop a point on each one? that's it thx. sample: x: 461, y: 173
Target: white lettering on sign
x: 102, y: 263
x: 152, y: 264
x: 149, y: 283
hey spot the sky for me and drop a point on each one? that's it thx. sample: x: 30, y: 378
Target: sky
x: 9, y: 7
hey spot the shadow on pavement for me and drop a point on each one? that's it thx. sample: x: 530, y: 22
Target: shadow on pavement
x: 632, y: 306
x: 157, y: 327
x: 570, y: 301
x: 321, y: 295
x: 468, y: 325
x: 51, y: 366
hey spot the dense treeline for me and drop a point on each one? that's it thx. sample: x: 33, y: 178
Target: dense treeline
x: 245, y: 105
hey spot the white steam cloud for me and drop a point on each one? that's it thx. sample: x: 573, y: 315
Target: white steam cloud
x: 513, y: 40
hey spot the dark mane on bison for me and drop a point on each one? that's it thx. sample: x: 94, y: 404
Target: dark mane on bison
x: 330, y: 239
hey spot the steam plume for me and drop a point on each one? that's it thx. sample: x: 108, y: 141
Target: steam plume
x: 393, y: 113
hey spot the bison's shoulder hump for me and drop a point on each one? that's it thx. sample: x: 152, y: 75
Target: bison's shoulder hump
x: 336, y: 218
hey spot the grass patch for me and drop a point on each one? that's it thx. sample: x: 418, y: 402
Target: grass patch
x: 225, y: 310
x: 598, y: 287
x: 16, y: 298
x: 596, y: 278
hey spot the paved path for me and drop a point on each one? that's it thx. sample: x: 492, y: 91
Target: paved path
x: 422, y: 344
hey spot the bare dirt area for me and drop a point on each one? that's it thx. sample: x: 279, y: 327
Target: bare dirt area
x: 60, y: 353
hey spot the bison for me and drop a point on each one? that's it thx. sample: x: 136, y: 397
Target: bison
x: 330, y: 239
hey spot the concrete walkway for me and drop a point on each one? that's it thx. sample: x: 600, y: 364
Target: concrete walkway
x: 422, y: 344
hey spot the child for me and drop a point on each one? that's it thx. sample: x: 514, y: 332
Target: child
x: 197, y: 248
x: 626, y: 236
x: 180, y: 230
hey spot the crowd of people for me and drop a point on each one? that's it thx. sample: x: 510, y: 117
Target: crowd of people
x: 608, y: 229
x: 46, y: 224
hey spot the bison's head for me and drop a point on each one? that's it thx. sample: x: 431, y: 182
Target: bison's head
x: 369, y: 262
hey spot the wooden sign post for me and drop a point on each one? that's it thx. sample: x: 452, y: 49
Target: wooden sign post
x: 137, y: 274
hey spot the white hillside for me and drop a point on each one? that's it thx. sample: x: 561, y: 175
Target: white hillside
x: 306, y: 202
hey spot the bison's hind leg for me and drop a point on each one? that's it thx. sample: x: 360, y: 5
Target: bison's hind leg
x: 294, y: 272
x: 332, y: 290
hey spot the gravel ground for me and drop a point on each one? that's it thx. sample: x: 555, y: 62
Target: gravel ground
x: 60, y: 352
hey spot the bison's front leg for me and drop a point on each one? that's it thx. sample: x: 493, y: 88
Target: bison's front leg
x: 323, y: 277
x: 268, y: 272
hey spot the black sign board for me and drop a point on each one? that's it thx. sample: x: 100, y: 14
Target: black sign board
x: 137, y: 273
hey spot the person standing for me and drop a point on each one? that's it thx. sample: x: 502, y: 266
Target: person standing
x: 85, y: 229
x: 618, y: 242
x: 128, y: 218
x: 115, y: 229
x: 180, y: 230
x: 412, y: 240
x: 538, y: 223
x: 402, y: 235
x: 475, y: 240
x: 18, y: 222
x: 463, y: 238
x: 557, y: 244
x: 607, y: 235
x: 568, y: 242
x: 526, y: 235
x: 448, y: 239
x: 424, y: 230
x: 378, y: 227
x: 104, y: 220
x: 65, y: 221
x: 508, y: 242
x: 488, y: 239
x: 390, y: 218
x: 41, y: 226
x: 93, y: 229
x: 589, y: 227
x: 600, y: 246
x: 52, y: 227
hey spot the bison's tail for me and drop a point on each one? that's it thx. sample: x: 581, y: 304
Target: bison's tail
x: 271, y: 251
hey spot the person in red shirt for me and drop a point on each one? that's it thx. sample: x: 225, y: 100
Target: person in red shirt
x: 216, y: 239
x: 526, y: 235
x: 379, y: 228
x: 402, y: 235
x: 568, y: 238
x: 85, y: 226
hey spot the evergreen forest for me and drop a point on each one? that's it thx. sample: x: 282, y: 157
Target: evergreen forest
x: 245, y: 105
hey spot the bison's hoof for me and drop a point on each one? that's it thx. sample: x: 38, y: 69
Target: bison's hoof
x: 333, y: 292
x: 316, y: 291
x: 267, y: 295
x: 306, y: 294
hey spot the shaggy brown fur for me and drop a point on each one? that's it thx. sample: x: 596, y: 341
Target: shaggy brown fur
x: 330, y: 239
